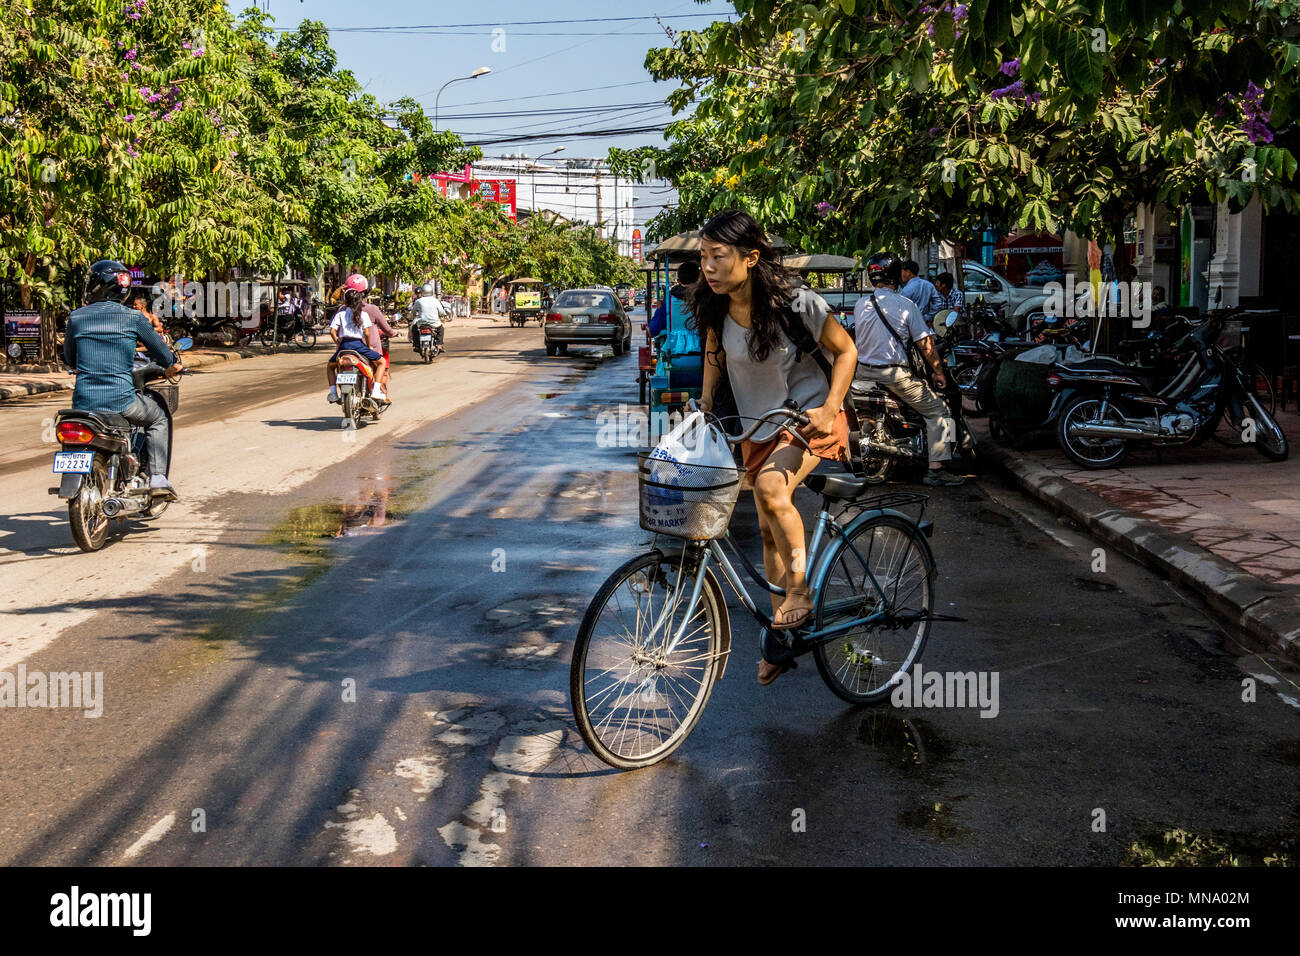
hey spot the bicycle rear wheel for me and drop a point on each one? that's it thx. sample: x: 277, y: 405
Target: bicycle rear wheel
x: 635, y: 703
x: 861, y: 665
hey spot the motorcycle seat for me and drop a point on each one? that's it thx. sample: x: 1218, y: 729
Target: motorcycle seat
x: 836, y: 487
x: 107, y: 421
x: 1098, y: 363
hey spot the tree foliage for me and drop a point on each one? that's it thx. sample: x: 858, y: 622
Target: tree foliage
x: 846, y: 125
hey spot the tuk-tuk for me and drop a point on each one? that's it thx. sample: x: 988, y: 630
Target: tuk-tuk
x: 842, y: 295
x: 526, y: 300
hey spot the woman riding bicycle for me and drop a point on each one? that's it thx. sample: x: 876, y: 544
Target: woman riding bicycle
x: 743, y: 306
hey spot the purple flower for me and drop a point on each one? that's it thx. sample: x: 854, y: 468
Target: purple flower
x: 934, y: 131
x: 1010, y: 67
x: 130, y: 117
x: 959, y: 12
x: 1032, y: 98
x: 130, y: 54
x: 185, y: 45
x: 824, y: 209
x: 1016, y: 89
x: 1257, y: 132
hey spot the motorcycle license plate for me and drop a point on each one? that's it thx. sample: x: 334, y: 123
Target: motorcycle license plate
x: 426, y: 339
x: 73, y: 462
x: 346, y: 378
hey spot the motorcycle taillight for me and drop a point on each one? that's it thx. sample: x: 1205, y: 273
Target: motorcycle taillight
x: 74, y: 433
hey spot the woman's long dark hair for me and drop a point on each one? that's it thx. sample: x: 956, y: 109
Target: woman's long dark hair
x: 773, y: 285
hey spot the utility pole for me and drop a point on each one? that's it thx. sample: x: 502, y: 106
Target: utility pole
x: 600, y: 215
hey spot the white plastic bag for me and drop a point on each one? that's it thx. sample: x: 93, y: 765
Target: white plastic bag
x: 1041, y: 355
x: 693, y: 443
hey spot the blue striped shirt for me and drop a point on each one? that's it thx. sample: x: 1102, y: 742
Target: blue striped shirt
x: 100, y: 345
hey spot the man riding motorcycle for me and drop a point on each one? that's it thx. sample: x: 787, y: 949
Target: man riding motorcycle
x: 884, y: 322
x: 100, y: 344
x: 426, y: 310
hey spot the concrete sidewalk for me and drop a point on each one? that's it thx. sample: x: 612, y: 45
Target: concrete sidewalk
x: 1223, y: 520
x: 33, y: 382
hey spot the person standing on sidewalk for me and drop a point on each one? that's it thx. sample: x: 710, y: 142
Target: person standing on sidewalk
x: 884, y: 323
x: 919, y: 290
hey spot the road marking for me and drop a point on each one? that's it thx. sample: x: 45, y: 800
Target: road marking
x: 151, y: 836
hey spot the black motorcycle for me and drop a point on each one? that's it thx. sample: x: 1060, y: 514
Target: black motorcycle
x: 890, y: 432
x: 288, y: 327
x: 1104, y: 406
x: 426, y: 338
x: 104, y: 462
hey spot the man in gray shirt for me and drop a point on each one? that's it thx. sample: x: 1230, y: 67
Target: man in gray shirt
x: 882, y: 359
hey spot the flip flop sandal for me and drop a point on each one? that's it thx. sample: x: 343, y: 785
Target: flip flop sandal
x: 789, y: 625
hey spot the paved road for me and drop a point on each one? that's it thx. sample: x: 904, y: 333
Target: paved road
x: 369, y: 667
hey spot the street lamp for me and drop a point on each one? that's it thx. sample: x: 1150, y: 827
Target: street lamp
x: 532, y: 188
x: 481, y: 71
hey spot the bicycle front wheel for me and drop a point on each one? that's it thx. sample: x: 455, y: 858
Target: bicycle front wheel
x: 884, y: 564
x: 634, y: 700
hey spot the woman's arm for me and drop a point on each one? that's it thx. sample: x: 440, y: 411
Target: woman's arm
x: 714, y: 361
x: 841, y: 346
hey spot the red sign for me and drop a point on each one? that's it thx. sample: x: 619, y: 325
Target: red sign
x: 500, y: 191
x: 636, y: 245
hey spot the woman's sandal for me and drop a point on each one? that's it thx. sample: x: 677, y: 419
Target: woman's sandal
x: 781, y: 620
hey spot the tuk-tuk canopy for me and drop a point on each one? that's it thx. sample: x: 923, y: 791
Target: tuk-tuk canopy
x: 514, y: 282
x: 820, y: 262
x: 685, y: 244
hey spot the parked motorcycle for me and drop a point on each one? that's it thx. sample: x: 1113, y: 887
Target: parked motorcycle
x: 104, y: 460
x: 1106, y: 406
x: 890, y: 432
x: 354, y: 387
x: 427, y: 338
x: 288, y: 327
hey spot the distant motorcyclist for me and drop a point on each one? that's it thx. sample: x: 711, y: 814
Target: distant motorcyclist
x: 100, y: 344
x: 429, y: 310
x: 348, y: 329
x: 884, y: 323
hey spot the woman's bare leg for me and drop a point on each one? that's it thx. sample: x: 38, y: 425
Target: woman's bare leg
x: 785, y: 561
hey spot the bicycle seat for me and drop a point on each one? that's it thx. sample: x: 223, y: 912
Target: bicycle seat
x: 836, y: 487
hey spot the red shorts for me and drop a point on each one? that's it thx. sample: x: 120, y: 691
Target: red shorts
x: 834, y: 447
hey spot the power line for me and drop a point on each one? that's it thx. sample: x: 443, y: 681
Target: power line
x: 500, y: 23
x: 595, y: 132
x: 539, y: 96
x: 555, y: 111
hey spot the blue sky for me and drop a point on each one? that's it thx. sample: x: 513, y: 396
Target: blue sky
x: 546, y: 62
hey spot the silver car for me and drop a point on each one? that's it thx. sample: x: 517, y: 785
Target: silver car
x: 587, y: 317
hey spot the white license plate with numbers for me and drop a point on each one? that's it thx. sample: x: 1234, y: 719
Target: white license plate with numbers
x: 426, y: 339
x: 347, y: 378
x: 73, y: 462
x: 580, y: 320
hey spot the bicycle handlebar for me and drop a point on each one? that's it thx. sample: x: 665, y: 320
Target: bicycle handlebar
x: 790, y: 414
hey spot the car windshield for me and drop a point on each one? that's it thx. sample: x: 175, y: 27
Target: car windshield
x: 584, y: 300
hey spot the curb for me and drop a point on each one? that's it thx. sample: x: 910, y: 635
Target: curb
x: 196, y: 360
x: 1266, y: 611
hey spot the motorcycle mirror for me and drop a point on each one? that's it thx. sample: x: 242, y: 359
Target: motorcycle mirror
x: 952, y: 319
x: 183, y: 345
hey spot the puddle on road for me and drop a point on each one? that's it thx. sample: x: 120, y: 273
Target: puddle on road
x: 936, y: 819
x: 904, y: 742
x: 1179, y: 847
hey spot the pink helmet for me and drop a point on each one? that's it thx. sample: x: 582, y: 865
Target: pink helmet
x: 357, y: 282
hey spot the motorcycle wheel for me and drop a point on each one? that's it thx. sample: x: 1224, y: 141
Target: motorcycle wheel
x: 1269, y: 438
x: 427, y: 354
x: 351, y: 409
x: 228, y: 334
x: 1088, y: 453
x: 176, y: 330
x: 89, y: 524
x: 306, y: 338
x: 965, y: 378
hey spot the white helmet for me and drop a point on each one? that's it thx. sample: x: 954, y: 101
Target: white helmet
x: 426, y: 289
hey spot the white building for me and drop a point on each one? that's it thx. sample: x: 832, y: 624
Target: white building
x: 580, y: 190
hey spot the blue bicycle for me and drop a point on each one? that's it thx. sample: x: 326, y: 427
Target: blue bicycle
x: 657, y: 634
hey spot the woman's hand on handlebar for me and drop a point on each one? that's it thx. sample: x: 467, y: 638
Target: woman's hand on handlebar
x: 821, y: 421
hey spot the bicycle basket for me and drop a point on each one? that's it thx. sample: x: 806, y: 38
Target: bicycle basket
x: 685, y: 500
